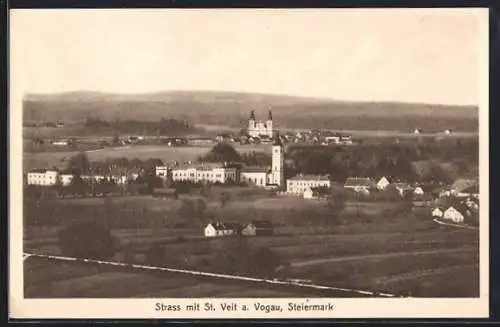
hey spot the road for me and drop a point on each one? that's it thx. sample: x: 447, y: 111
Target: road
x: 379, y: 256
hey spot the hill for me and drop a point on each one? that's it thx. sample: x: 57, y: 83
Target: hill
x: 232, y: 109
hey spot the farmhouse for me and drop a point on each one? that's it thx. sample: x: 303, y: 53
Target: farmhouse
x: 383, y: 183
x: 258, y: 128
x: 438, y: 212
x: 217, y: 229
x: 42, y: 177
x: 258, y: 228
x: 457, y: 213
x: 299, y: 184
x: 418, y: 191
x: 359, y: 184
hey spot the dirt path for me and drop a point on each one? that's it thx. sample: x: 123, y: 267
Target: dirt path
x: 380, y: 256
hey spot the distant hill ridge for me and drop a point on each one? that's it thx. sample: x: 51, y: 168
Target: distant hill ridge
x: 216, y: 107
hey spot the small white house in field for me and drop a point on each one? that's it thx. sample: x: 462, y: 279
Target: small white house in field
x: 454, y: 215
x: 437, y: 213
x: 221, y: 229
x: 383, y: 183
x: 448, y: 132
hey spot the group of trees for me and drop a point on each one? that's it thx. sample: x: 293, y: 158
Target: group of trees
x: 224, y: 152
x: 158, y: 127
x: 381, y: 160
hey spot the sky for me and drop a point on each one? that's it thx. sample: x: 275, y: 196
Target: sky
x: 425, y: 56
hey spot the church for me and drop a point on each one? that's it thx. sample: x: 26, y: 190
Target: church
x: 260, y: 128
x: 267, y: 176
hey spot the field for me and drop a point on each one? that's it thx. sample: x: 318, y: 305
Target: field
x: 165, y: 153
x: 394, y: 254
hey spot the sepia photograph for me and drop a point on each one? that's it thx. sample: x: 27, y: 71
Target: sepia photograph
x: 249, y: 155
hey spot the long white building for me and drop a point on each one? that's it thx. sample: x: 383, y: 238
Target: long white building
x: 196, y: 173
x: 301, y: 183
x: 42, y: 177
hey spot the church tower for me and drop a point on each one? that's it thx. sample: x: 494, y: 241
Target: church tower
x: 269, y: 124
x: 278, y: 162
x: 251, y: 122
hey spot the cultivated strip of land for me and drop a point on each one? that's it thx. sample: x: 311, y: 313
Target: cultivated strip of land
x: 379, y: 256
x: 208, y: 274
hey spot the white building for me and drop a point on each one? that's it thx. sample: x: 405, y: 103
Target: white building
x: 418, y: 191
x: 207, y: 172
x: 437, y: 212
x: 42, y: 177
x: 257, y: 128
x: 454, y: 215
x: 301, y: 183
x: 66, y: 179
x: 360, y: 184
x: 258, y: 176
x: 221, y: 229
x: 60, y: 143
x: 161, y: 171
x: 383, y: 183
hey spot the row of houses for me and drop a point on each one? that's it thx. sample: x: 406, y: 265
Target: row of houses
x: 458, y: 212
x: 50, y: 177
x: 254, y: 228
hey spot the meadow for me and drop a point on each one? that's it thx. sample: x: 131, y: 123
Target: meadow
x: 371, y: 253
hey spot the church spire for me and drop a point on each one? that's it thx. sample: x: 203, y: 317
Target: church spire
x: 277, y: 139
x: 252, y: 115
x: 270, y: 115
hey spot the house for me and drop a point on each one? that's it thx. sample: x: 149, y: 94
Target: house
x: 42, y: 177
x: 223, y: 137
x: 258, y: 228
x: 60, y: 143
x: 310, y: 194
x: 217, y: 229
x: 448, y: 132
x: 417, y: 131
x: 457, y: 213
x: 383, y: 183
x: 465, y: 188
x: 360, y: 184
x: 438, y: 212
x: 300, y: 183
x: 418, y: 191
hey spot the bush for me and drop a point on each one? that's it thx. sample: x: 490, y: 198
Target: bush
x: 87, y: 240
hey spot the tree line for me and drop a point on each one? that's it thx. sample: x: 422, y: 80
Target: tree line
x: 158, y: 127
